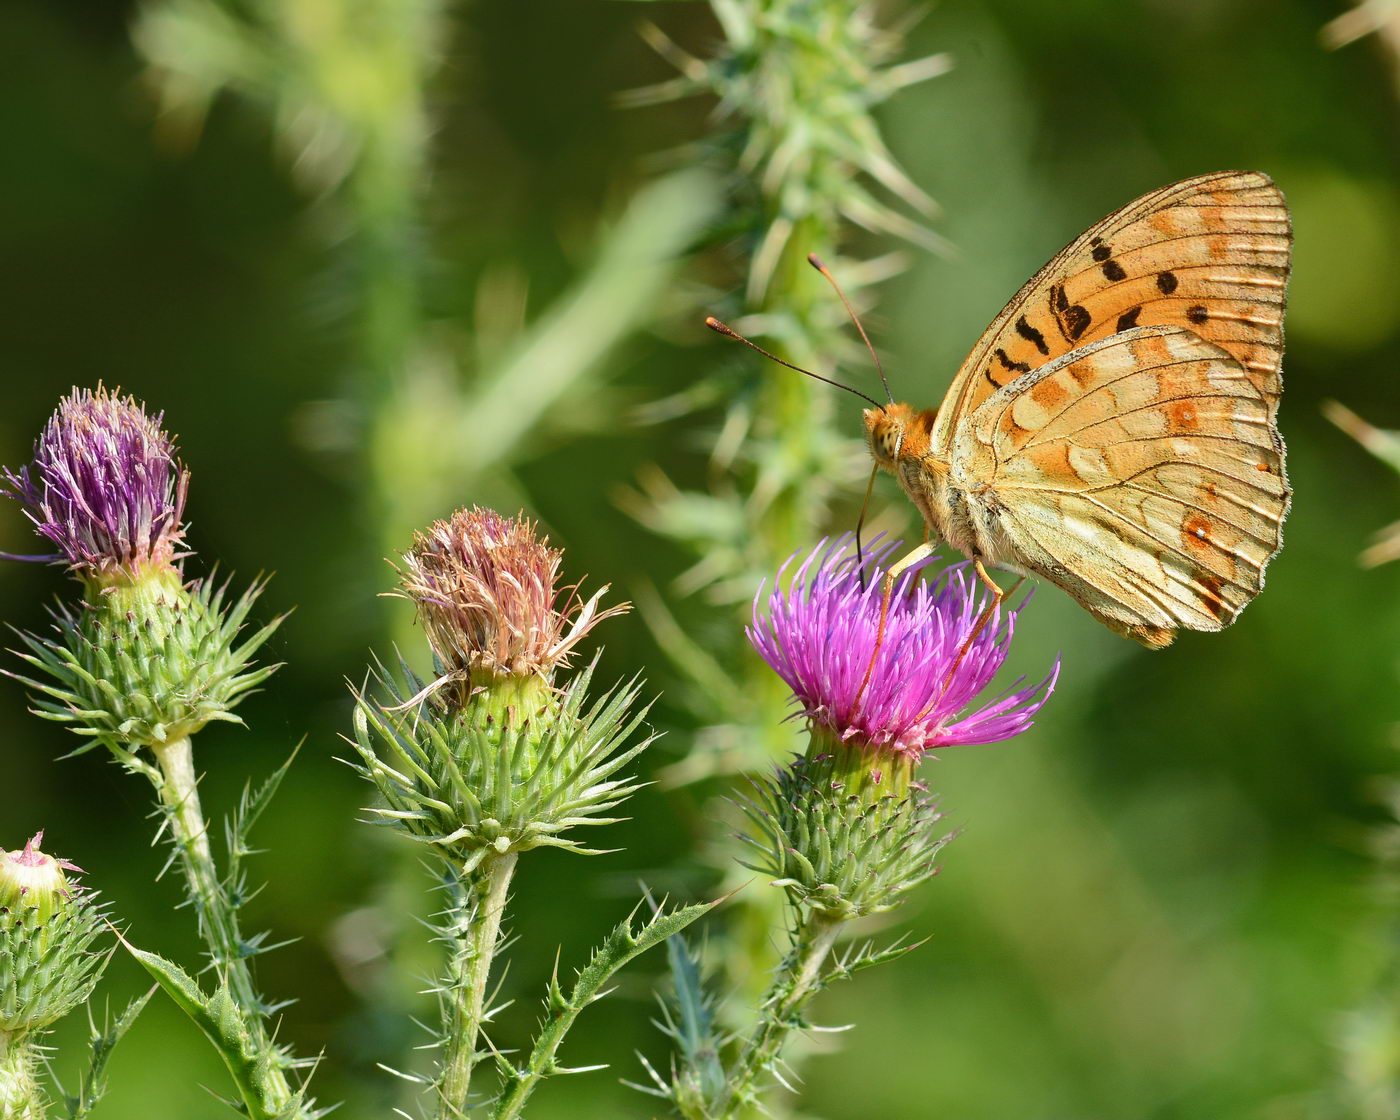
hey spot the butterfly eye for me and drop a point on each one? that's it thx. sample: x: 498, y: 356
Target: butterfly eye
x: 886, y: 441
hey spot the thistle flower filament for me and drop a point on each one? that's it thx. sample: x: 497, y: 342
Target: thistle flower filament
x: 485, y: 589
x: 913, y: 688
x: 104, y: 487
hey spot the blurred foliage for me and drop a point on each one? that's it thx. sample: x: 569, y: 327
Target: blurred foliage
x: 1159, y: 906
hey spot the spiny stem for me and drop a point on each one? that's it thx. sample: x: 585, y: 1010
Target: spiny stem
x: 797, y: 981
x: 218, y: 923
x: 479, y: 903
x: 20, y: 1095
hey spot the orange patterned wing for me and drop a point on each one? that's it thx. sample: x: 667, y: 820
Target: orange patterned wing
x: 1141, y: 473
x: 1210, y: 254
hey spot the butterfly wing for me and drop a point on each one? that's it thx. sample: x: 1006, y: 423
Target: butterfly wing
x: 1142, y: 473
x: 1210, y: 253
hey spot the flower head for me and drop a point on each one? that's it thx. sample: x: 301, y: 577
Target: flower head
x: 105, y: 487
x: 485, y: 588
x: 908, y: 691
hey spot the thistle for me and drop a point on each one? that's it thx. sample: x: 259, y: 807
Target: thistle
x: 848, y: 829
x: 47, y: 964
x: 904, y: 685
x: 796, y: 86
x: 493, y: 757
x: 47, y: 926
x: 143, y: 662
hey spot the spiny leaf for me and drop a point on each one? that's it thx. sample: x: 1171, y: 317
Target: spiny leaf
x: 102, y: 1042
x: 257, y: 1070
x: 625, y: 942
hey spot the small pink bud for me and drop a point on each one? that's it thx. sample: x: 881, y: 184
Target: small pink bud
x: 32, y: 878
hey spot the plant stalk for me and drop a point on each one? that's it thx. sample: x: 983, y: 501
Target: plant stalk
x: 20, y: 1095
x: 219, y: 927
x: 796, y: 982
x: 480, y: 903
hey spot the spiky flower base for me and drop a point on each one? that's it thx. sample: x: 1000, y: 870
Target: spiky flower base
x: 846, y: 832
x: 145, y: 662
x: 518, y: 766
x: 47, y: 966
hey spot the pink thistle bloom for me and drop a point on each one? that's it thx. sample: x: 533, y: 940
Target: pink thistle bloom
x: 104, y: 488
x: 819, y: 634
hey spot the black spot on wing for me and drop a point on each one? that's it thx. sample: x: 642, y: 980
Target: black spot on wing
x: 1101, y: 251
x: 1058, y: 300
x: 1128, y: 320
x: 987, y: 373
x: 1031, y: 335
x: 1015, y: 367
x: 1197, y: 314
x: 1166, y: 282
x: 1114, y: 271
x: 1076, y: 321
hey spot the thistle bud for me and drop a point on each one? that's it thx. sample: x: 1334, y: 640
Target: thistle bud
x: 31, y: 878
x: 495, y: 756
x: 47, y: 926
x: 146, y: 658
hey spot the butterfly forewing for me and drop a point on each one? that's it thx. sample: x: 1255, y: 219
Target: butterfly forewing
x: 1210, y: 254
x: 1142, y: 473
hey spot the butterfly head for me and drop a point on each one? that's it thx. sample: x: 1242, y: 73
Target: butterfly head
x: 896, y: 431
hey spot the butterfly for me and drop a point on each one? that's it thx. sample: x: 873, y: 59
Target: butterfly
x: 1114, y: 430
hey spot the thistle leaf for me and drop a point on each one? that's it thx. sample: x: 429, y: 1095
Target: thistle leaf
x: 103, y: 1041
x: 626, y: 942
x: 258, y: 1070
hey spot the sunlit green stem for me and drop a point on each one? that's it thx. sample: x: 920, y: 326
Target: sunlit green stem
x: 797, y: 981
x: 478, y: 904
x: 179, y: 792
x: 20, y: 1096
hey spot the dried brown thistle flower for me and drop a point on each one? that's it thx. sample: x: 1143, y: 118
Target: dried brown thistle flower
x: 486, y: 591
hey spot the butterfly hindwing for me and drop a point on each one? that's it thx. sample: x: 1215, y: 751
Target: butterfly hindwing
x: 1142, y: 473
x: 1210, y: 254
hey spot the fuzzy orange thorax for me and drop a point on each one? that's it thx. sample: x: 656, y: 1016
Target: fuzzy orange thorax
x: 896, y: 430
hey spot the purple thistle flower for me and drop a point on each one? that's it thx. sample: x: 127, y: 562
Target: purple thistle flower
x: 104, y: 486
x: 819, y: 634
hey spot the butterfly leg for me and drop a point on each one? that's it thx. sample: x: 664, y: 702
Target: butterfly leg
x: 982, y: 619
x: 914, y: 556
x: 985, y: 617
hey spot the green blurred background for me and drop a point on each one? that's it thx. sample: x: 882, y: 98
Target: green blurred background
x: 1163, y: 900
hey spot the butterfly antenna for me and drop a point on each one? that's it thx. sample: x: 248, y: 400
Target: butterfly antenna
x: 816, y: 262
x: 729, y: 332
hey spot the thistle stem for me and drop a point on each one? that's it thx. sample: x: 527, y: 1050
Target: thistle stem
x: 179, y: 792
x: 20, y: 1095
x: 478, y: 905
x: 797, y: 981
